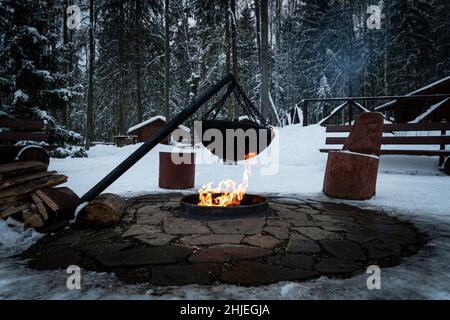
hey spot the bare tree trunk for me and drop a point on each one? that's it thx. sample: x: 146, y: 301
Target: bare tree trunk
x: 166, y: 61
x: 234, y: 54
x: 258, y: 29
x: 70, y: 63
x: 278, y: 23
x: 386, y: 46
x: 289, y: 84
x: 264, y: 59
x: 66, y: 64
x: 120, y: 106
x: 137, y: 24
x: 90, y: 95
x: 228, y: 55
x: 140, y: 112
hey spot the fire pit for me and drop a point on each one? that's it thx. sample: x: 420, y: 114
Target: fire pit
x: 249, y: 205
x: 228, y: 199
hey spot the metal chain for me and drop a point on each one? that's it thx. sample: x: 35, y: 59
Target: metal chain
x: 219, y: 104
x: 252, y: 112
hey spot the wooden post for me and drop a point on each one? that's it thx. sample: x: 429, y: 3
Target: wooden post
x: 305, y: 113
x: 176, y: 176
x: 442, y: 146
x: 350, y: 104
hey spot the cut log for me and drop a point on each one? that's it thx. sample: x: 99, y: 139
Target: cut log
x: 8, y: 205
x: 40, y: 206
x: 33, y: 219
x: 31, y: 186
x: 19, y: 180
x: 15, y: 169
x: 13, y: 199
x: 33, y: 153
x: 59, y: 200
x: 350, y: 176
x: 14, y: 209
x: 104, y: 211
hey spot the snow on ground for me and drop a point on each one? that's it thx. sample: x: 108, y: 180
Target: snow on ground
x: 408, y: 187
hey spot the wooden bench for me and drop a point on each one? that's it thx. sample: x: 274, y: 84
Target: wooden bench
x: 15, y: 130
x: 125, y: 140
x: 18, y: 130
x: 439, y: 140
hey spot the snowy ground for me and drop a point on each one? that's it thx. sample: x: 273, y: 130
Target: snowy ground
x: 408, y: 187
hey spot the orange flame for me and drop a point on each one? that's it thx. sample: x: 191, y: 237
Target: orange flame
x: 227, y: 193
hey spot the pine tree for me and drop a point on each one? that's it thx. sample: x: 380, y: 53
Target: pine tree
x: 247, y: 51
x: 412, y: 53
x: 34, y: 84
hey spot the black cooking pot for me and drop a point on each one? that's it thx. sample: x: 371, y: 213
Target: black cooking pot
x: 241, y: 137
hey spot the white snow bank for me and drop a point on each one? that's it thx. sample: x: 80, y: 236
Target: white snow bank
x: 13, y: 235
x: 300, y: 145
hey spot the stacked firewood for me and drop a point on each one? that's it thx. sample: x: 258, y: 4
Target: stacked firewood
x: 28, y: 193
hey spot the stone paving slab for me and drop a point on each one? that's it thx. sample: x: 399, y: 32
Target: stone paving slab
x: 316, y: 233
x: 251, y: 273
x: 156, y: 239
x: 301, y: 244
x: 140, y: 229
x: 151, y: 218
x: 146, y: 256
x: 344, y: 249
x: 174, y: 225
x: 301, y: 239
x: 262, y: 241
x: 185, y: 274
x: 294, y: 261
x: 227, y: 253
x: 238, y: 225
x: 337, y: 266
x: 281, y: 233
x: 212, y: 239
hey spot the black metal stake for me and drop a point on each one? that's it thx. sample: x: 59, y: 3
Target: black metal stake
x: 152, y: 142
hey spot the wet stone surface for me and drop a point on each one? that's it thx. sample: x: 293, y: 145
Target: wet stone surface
x: 298, y: 241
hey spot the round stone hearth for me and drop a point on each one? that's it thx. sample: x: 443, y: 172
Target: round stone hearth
x: 299, y: 240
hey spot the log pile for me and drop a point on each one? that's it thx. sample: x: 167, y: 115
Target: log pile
x: 29, y: 193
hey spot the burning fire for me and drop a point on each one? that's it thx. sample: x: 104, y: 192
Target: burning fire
x: 227, y: 193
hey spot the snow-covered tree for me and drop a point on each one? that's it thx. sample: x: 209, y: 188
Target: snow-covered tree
x: 34, y: 85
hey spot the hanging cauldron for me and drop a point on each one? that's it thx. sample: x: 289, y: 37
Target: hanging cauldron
x: 239, y: 138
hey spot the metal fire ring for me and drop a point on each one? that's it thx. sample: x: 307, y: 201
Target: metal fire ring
x: 251, y: 205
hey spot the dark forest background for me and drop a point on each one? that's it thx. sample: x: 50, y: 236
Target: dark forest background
x: 133, y: 59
